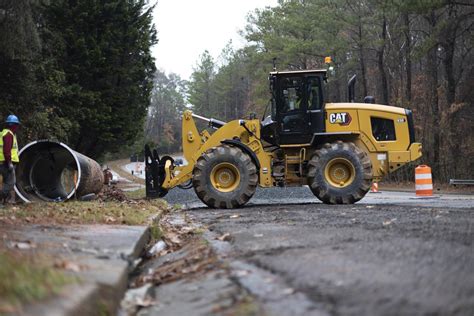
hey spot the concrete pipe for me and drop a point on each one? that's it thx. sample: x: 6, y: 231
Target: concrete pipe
x: 51, y: 171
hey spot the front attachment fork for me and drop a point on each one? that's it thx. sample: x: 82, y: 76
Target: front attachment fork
x: 155, y: 173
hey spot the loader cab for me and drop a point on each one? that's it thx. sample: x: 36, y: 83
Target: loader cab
x: 297, y: 107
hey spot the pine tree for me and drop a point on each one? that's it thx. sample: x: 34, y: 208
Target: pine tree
x: 104, y: 51
x: 200, y: 90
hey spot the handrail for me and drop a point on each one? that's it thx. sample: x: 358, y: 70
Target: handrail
x: 461, y: 181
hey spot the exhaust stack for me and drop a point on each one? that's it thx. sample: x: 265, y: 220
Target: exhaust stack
x: 51, y: 171
x: 351, y: 88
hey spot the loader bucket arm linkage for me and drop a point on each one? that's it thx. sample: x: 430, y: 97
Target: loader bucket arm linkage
x: 155, y: 173
x: 155, y: 168
x: 162, y: 174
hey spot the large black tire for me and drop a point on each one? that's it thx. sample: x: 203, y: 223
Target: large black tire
x: 225, y: 177
x: 340, y: 173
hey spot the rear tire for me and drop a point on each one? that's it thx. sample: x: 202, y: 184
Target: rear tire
x: 340, y: 173
x: 225, y: 177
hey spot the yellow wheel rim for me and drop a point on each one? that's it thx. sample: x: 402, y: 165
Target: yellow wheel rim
x: 339, y: 172
x: 225, y: 177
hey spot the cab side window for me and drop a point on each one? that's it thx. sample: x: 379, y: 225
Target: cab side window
x: 292, y: 94
x: 383, y: 129
x: 292, y: 99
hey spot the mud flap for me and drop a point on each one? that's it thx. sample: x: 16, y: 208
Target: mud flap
x: 155, y: 174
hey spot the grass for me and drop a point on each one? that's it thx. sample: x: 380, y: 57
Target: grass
x: 136, y: 194
x: 246, y: 307
x: 78, y: 212
x: 155, y: 232
x: 24, y: 280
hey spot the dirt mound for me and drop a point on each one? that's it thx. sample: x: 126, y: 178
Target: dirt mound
x: 113, y: 193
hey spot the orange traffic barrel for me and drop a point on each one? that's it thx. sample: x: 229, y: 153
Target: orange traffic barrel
x: 374, y: 188
x: 423, y: 181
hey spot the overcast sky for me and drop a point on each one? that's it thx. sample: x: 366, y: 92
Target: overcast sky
x: 186, y: 28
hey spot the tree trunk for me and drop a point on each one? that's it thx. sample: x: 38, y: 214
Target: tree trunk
x: 406, y: 22
x: 380, y: 62
x: 448, y: 60
x: 362, y: 60
x: 432, y: 72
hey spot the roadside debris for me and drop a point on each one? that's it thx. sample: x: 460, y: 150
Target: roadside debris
x: 224, y: 237
x: 137, y: 298
x: 388, y: 222
x: 112, y: 207
x: 242, y: 273
x: 199, y: 259
x: 178, y: 237
x: 88, y: 197
x: 288, y: 291
x: 22, y: 245
x: 69, y: 265
x: 157, y: 248
x: 112, y: 193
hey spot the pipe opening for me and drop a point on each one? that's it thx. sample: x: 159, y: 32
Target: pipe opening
x: 48, y: 171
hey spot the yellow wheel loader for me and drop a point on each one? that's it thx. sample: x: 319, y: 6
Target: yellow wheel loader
x: 336, y: 149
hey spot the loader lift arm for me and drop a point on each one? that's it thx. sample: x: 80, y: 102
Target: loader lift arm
x: 195, y: 143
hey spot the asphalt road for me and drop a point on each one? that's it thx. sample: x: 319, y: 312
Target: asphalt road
x: 390, y: 254
x: 302, y: 195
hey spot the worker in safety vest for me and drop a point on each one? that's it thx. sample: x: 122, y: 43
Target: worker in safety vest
x: 9, y: 158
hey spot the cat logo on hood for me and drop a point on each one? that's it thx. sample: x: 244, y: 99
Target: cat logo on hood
x: 342, y: 118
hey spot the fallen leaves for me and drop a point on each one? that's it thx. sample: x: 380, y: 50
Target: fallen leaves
x: 110, y: 219
x: 69, y: 266
x: 113, y: 194
x: 388, y: 222
x: 199, y: 259
x: 224, y: 237
x: 172, y: 237
x: 288, y: 291
x: 242, y: 273
x: 22, y: 245
x: 112, y: 212
x: 176, y: 232
x: 145, y: 302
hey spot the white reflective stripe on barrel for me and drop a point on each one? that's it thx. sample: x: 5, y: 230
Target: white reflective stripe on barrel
x: 423, y: 176
x: 424, y: 187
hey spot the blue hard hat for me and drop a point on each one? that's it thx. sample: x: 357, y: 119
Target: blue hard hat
x: 12, y: 119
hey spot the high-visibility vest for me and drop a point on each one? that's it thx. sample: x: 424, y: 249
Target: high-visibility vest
x: 15, y: 157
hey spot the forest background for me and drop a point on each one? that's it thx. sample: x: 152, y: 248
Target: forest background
x: 81, y: 71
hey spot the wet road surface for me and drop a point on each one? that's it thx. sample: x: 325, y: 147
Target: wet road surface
x: 303, y: 195
x: 390, y: 254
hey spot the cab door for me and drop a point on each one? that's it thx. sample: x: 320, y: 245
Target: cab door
x: 292, y: 107
x: 316, y: 105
